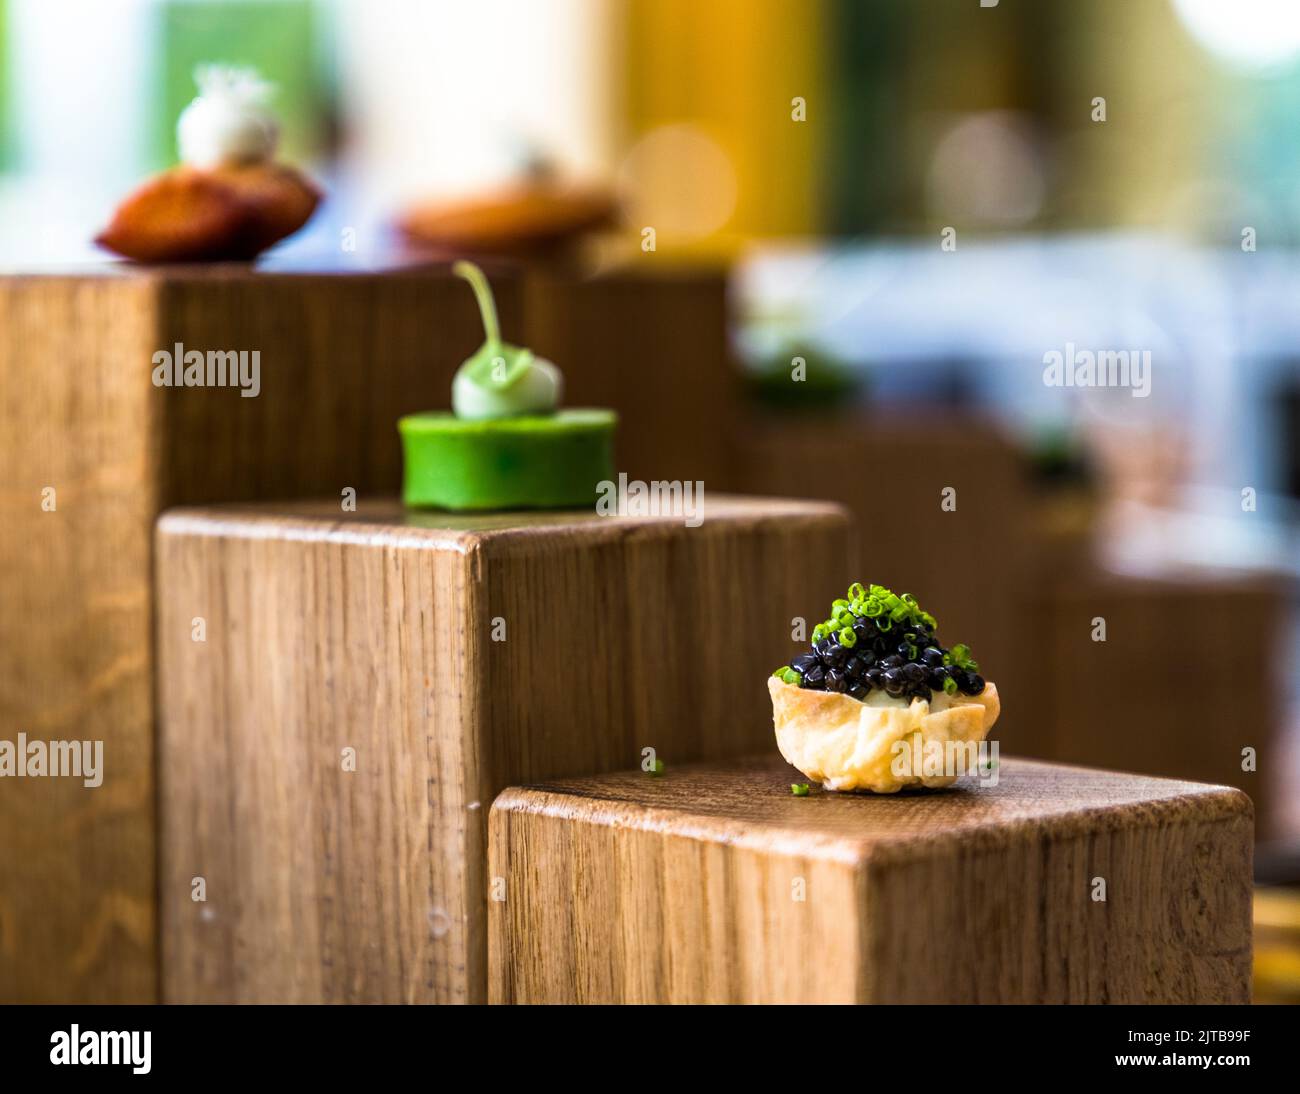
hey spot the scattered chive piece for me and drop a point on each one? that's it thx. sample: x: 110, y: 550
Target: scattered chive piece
x: 949, y: 686
x: 790, y: 676
x: 657, y: 770
x: 782, y: 671
x: 799, y: 790
x: 820, y: 631
x: 856, y: 591
x: 847, y: 638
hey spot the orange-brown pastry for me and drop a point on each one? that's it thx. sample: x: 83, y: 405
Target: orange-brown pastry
x: 878, y: 703
x: 529, y: 216
x: 283, y: 198
x: 229, y: 199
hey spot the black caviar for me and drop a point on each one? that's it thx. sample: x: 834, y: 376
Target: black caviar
x: 875, y: 639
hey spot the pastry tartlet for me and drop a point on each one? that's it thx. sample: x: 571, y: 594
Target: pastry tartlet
x: 506, y: 445
x: 227, y: 199
x: 536, y: 215
x: 878, y: 703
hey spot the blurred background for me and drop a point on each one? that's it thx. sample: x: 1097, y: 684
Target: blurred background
x: 914, y: 201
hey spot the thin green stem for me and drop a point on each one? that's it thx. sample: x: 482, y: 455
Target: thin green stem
x: 487, y: 307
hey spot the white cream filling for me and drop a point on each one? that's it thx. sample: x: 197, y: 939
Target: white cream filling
x: 228, y: 123
x: 535, y: 392
x: 940, y: 700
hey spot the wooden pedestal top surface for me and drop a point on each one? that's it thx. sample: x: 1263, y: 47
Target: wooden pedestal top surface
x: 749, y: 803
x: 387, y: 521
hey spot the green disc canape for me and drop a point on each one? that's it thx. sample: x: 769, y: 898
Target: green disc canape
x: 535, y: 461
x: 505, y: 445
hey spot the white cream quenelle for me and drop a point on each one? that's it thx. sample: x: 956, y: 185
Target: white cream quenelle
x: 229, y: 122
x: 500, y: 380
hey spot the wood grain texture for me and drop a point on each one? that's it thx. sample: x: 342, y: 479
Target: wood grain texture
x: 650, y: 340
x: 682, y: 888
x: 76, y: 864
x: 374, y: 631
x: 1178, y: 700
x: 342, y: 356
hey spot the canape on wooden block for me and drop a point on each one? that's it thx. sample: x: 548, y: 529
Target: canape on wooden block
x: 369, y: 682
x: 92, y: 452
x: 714, y: 883
x: 957, y: 534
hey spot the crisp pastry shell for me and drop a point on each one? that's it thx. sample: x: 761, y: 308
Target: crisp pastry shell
x: 188, y: 214
x: 848, y: 745
x: 518, y: 218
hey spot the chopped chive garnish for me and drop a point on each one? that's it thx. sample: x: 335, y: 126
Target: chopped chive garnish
x: 849, y: 658
x: 799, y: 790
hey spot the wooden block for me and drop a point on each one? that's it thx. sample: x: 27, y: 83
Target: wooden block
x: 375, y: 632
x: 341, y: 357
x: 651, y: 341
x: 713, y: 883
x: 1177, y: 700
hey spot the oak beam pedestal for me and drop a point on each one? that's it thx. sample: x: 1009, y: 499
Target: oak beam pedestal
x: 92, y: 451
x: 1175, y: 702
x: 713, y: 883
x: 650, y: 340
x: 367, y: 683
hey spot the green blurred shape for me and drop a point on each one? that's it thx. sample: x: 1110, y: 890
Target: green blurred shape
x: 864, y: 183
x: 828, y: 382
x: 276, y: 37
x: 6, y: 122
